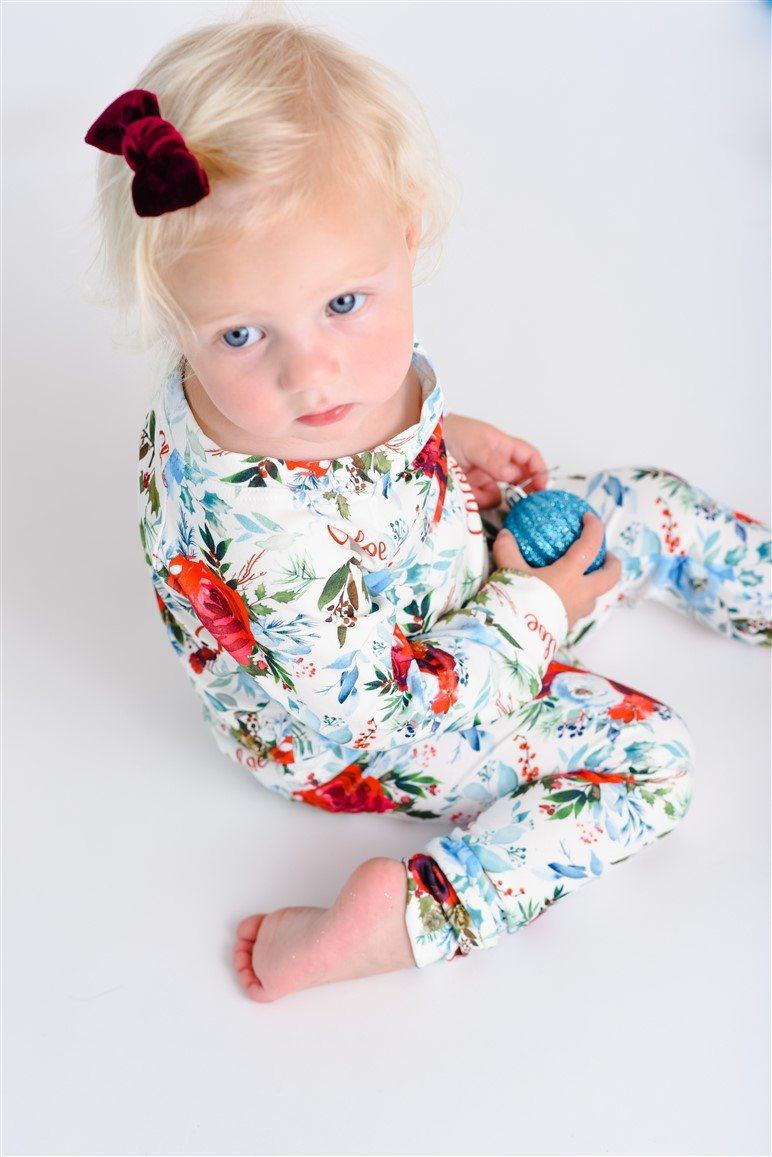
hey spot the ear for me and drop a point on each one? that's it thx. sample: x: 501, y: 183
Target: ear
x: 413, y: 234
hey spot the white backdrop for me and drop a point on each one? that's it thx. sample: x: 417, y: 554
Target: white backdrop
x: 605, y: 294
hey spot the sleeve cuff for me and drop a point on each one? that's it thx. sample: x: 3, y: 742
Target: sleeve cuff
x: 541, y: 615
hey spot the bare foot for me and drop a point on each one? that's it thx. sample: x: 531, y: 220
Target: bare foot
x: 363, y: 933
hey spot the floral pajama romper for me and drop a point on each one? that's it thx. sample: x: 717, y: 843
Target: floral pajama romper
x: 353, y: 648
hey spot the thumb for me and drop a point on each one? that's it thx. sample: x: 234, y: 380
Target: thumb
x: 506, y: 552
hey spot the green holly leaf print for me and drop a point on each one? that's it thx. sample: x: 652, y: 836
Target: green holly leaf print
x: 252, y: 476
x: 431, y: 914
x: 564, y: 796
x: 265, y: 662
x: 215, y: 552
x: 152, y: 495
x: 409, y: 782
x: 460, y: 919
x: 512, y: 641
x: 255, y: 610
x: 206, y: 536
x: 333, y: 586
x: 342, y: 506
x: 381, y: 462
x: 284, y: 596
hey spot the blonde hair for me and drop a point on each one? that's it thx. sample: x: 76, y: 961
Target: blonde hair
x: 276, y: 112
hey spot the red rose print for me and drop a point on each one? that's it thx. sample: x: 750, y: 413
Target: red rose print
x: 745, y: 517
x: 217, y: 606
x: 429, y: 877
x: 633, y: 706
x: 282, y: 752
x: 318, y: 469
x: 432, y: 461
x: 554, y: 668
x: 430, y: 659
x: 349, y: 791
x: 199, y: 659
x: 596, y: 776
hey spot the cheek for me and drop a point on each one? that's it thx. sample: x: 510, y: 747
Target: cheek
x: 384, y: 360
x: 245, y: 403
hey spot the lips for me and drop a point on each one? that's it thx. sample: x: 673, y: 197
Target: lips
x: 326, y: 416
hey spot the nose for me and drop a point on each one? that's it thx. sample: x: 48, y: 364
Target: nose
x: 310, y: 369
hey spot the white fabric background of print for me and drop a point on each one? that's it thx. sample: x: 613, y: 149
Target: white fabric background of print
x: 609, y: 265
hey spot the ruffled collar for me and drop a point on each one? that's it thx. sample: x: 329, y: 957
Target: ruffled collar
x: 244, y: 470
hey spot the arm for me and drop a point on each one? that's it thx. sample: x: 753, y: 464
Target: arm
x: 329, y: 648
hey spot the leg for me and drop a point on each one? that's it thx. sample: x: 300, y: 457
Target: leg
x: 683, y: 548
x: 601, y: 772
x: 677, y: 545
x: 617, y: 775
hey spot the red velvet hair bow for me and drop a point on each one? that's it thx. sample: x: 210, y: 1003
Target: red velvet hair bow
x: 168, y: 176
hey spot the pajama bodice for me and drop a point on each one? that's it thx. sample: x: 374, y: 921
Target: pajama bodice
x: 327, y: 612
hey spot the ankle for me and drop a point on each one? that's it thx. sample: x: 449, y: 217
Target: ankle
x: 373, y: 900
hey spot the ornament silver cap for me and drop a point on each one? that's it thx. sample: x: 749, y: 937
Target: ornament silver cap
x: 518, y: 488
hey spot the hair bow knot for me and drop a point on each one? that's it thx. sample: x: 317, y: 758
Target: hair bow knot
x: 167, y: 175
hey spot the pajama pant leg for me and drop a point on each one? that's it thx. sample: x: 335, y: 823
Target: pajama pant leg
x: 678, y: 546
x: 601, y: 770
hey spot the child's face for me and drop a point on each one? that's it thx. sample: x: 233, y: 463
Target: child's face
x: 309, y: 315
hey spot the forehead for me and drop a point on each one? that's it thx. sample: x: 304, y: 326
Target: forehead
x: 286, y: 264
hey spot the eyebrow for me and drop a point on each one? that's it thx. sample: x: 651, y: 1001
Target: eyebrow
x: 254, y: 312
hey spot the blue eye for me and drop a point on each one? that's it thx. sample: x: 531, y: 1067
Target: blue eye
x: 345, y: 296
x: 242, y: 331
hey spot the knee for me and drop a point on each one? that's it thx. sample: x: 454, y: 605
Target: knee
x: 677, y: 738
x: 672, y: 763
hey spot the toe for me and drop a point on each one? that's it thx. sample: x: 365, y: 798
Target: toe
x: 246, y: 978
x: 248, y: 927
x: 251, y: 985
x: 258, y: 993
x: 242, y: 957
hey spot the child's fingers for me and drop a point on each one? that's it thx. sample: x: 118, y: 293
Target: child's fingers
x: 528, y: 464
x: 506, y: 552
x: 608, y: 573
x: 583, y: 549
x: 538, y: 474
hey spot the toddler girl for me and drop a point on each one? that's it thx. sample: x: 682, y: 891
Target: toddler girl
x: 325, y: 542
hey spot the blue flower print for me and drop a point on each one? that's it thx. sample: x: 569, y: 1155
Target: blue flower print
x: 697, y: 583
x: 585, y: 690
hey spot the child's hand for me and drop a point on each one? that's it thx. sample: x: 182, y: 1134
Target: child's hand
x: 488, y: 455
x: 578, y: 591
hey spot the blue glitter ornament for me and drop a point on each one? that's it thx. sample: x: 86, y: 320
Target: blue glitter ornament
x: 546, y: 522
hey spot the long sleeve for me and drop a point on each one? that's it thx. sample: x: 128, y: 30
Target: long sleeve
x: 334, y: 654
